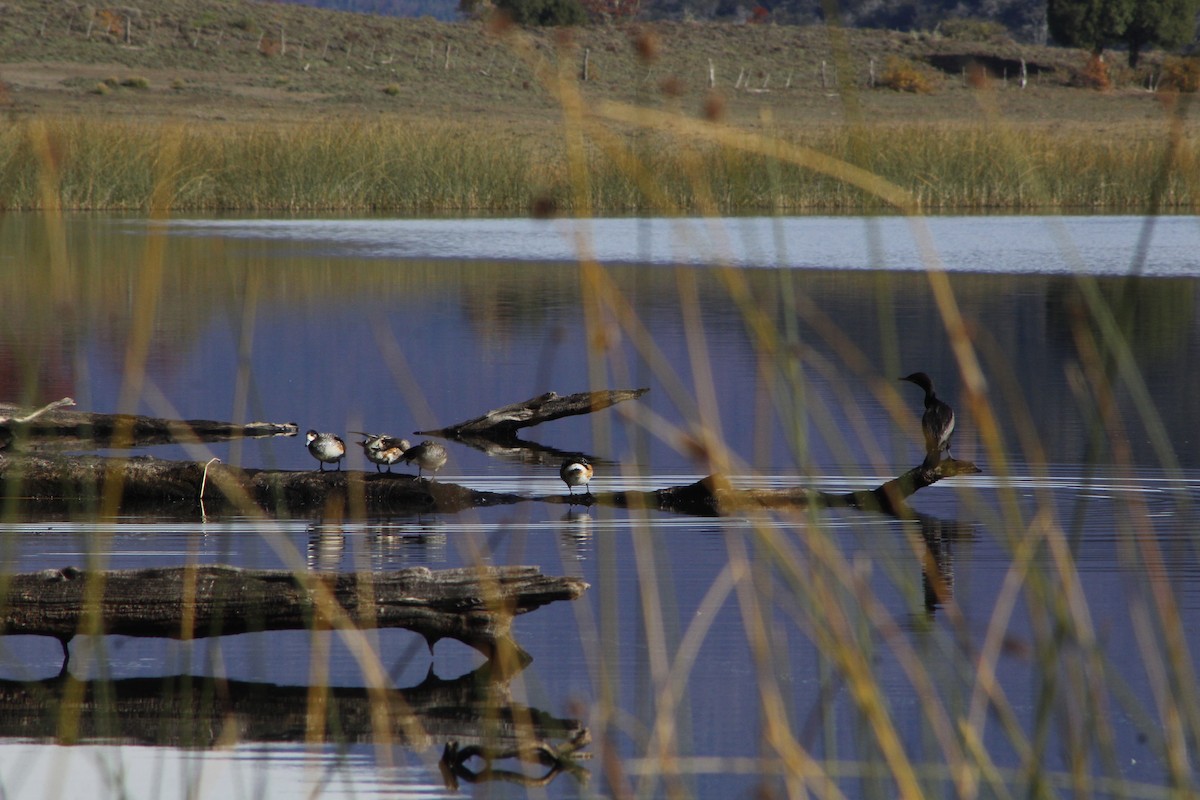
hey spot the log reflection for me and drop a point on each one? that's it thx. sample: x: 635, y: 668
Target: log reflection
x: 473, y: 714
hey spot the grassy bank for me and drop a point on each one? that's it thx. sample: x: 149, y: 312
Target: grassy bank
x: 401, y: 167
x: 202, y: 105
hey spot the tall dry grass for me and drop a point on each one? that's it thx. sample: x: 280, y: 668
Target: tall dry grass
x: 89, y: 165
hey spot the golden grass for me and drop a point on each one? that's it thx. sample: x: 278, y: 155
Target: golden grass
x: 426, y: 168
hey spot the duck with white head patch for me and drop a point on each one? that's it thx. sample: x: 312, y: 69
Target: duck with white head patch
x: 326, y: 448
x: 576, y: 472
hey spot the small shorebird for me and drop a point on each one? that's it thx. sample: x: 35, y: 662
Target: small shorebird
x: 937, y: 423
x: 576, y: 472
x: 428, y: 455
x: 381, y: 449
x: 326, y: 448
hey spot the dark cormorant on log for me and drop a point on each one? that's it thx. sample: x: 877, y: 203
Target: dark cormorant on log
x: 937, y: 423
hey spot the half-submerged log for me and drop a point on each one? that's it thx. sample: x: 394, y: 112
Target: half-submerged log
x: 472, y: 605
x: 52, y: 426
x: 504, y: 422
x: 714, y: 496
x: 56, y: 482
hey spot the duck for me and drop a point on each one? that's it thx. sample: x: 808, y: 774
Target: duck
x: 326, y: 448
x: 428, y: 455
x: 381, y: 449
x: 576, y: 472
x: 937, y: 423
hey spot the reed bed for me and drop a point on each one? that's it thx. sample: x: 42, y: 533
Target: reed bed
x: 409, y: 168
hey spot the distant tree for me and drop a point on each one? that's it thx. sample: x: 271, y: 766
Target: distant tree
x: 1091, y: 24
x: 1162, y: 23
x: 544, y: 12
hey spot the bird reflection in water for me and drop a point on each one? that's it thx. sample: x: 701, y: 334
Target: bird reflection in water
x: 326, y: 547
x: 937, y: 568
x: 394, y: 545
x: 575, y: 536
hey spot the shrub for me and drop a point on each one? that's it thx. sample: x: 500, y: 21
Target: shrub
x: 544, y: 12
x: 136, y: 82
x: 968, y: 29
x: 905, y: 76
x: 1180, y: 74
x: 392, y: 89
x: 1094, y: 74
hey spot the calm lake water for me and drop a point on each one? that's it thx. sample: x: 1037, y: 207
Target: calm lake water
x: 1070, y: 560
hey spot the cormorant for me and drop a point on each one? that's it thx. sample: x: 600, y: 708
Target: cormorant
x: 937, y: 423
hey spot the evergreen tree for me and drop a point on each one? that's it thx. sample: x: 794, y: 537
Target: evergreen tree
x: 544, y: 12
x: 1092, y: 24
x: 1165, y: 23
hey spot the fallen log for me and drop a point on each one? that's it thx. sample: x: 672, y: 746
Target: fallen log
x: 714, y: 496
x: 504, y: 422
x: 52, y: 426
x: 472, y: 605
x: 48, y: 483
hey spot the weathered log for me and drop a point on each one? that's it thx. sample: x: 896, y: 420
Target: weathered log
x: 46, y: 483
x: 504, y: 422
x: 197, y: 711
x: 80, y: 430
x: 714, y: 496
x: 58, y: 482
x: 473, y: 605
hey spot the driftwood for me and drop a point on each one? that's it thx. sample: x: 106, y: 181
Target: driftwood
x: 55, y: 483
x: 713, y: 495
x: 471, y: 715
x: 504, y: 422
x: 51, y: 426
x: 48, y: 483
x: 474, y: 606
